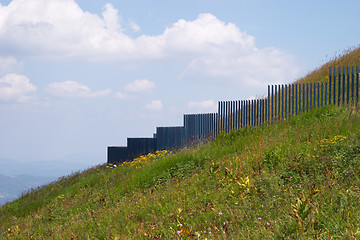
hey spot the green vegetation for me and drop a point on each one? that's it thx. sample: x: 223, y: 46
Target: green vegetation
x: 296, y: 179
x: 348, y: 58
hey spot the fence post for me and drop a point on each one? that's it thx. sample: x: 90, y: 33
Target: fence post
x: 279, y: 99
x: 261, y: 115
x: 330, y: 79
x: 256, y: 112
x: 272, y: 104
x: 334, y: 87
x: 219, y: 117
x: 307, y: 97
x: 234, y: 114
x: 256, y: 102
x: 247, y: 112
x: 291, y: 100
x: 318, y: 94
x: 339, y: 86
x: 239, y: 104
x: 250, y: 112
x: 296, y: 99
x: 348, y: 86
x: 242, y: 114
x: 343, y: 85
x: 275, y: 103
x: 325, y: 96
x: 268, y: 107
x: 352, y: 86
x: 227, y: 116
x: 223, y: 117
x: 314, y: 95
x: 287, y: 100
x: 322, y: 94
x: 238, y: 114
x: 230, y: 115
x: 357, y: 85
x: 311, y: 94
x: 281, y: 93
x: 259, y: 112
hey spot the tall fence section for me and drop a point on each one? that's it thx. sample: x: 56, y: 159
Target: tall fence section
x: 282, y: 102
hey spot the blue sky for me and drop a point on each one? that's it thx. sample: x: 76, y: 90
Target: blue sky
x: 79, y: 75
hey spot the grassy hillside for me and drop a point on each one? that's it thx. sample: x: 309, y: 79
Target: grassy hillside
x: 299, y: 179
x: 348, y: 58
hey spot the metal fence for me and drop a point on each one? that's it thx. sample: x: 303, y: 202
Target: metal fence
x: 287, y: 100
x: 282, y: 102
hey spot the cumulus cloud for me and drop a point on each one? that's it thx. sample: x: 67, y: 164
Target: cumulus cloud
x: 134, y: 27
x: 74, y: 89
x: 206, y: 106
x: 216, y: 50
x: 140, y: 85
x: 154, y: 106
x: 255, y: 69
x: 60, y: 28
x: 9, y: 65
x: 16, y: 88
x: 121, y: 95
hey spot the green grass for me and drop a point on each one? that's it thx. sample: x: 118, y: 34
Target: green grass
x: 348, y: 58
x: 297, y: 179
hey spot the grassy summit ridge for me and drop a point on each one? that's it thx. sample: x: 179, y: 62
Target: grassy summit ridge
x: 296, y: 179
x: 348, y: 58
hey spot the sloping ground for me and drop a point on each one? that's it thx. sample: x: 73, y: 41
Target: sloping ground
x: 348, y: 58
x: 297, y: 179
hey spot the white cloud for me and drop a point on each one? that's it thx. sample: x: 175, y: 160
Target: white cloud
x: 111, y: 18
x: 215, y: 49
x: 121, y: 95
x: 140, y: 85
x: 206, y: 106
x: 206, y: 34
x: 16, y: 88
x: 256, y: 68
x: 154, y: 106
x: 133, y: 26
x: 60, y: 29
x: 74, y: 89
x: 9, y: 65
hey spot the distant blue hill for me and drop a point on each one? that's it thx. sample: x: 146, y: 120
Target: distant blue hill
x: 17, y: 177
x: 11, y: 187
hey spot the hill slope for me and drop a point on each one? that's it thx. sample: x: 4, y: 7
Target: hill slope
x: 296, y: 179
x: 299, y: 178
x: 348, y: 58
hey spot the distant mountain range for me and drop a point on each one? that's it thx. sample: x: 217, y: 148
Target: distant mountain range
x: 11, y: 187
x: 17, y: 177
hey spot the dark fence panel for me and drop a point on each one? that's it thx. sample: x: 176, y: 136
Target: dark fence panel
x: 169, y: 137
x: 198, y: 127
x: 140, y: 146
x: 117, y: 155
